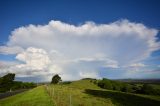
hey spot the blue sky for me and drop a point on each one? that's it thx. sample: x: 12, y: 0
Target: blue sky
x: 17, y: 14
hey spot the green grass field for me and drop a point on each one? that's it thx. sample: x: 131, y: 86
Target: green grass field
x: 78, y: 93
x: 35, y: 97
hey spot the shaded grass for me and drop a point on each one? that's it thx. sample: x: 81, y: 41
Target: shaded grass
x: 154, y: 97
x: 123, y: 99
x: 35, y: 97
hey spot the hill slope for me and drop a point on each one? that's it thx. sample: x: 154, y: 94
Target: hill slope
x: 78, y: 93
x: 85, y: 93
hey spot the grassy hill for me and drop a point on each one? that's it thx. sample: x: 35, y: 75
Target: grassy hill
x: 78, y: 93
x: 85, y: 93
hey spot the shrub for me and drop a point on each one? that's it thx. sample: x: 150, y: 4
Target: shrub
x: 127, y: 88
x: 101, y: 84
x: 136, y: 89
x: 108, y: 85
x: 105, y: 83
x: 116, y: 85
x: 149, y: 89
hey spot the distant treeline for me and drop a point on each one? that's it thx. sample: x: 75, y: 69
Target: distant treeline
x: 7, y: 83
x: 151, y: 89
x: 142, y: 81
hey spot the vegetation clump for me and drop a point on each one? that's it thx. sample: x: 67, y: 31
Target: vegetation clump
x: 127, y: 87
x: 7, y: 83
x: 150, y: 89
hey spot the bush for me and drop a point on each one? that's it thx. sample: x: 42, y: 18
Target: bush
x: 127, y: 88
x: 116, y: 85
x: 101, y: 84
x: 108, y: 85
x: 95, y: 82
x: 105, y: 83
x: 149, y: 89
x: 136, y: 89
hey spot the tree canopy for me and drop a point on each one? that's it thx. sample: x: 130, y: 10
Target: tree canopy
x: 7, y: 83
x: 7, y: 78
x: 56, y: 79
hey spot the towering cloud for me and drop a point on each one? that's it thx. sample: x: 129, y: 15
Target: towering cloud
x: 80, y: 51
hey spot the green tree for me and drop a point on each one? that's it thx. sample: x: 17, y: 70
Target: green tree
x: 9, y: 77
x: 6, y: 82
x: 56, y: 79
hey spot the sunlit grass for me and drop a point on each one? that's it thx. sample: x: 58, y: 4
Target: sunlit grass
x: 65, y: 95
x: 35, y: 97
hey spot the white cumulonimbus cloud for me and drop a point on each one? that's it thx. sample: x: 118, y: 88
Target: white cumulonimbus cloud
x: 34, y: 59
x: 80, y: 51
